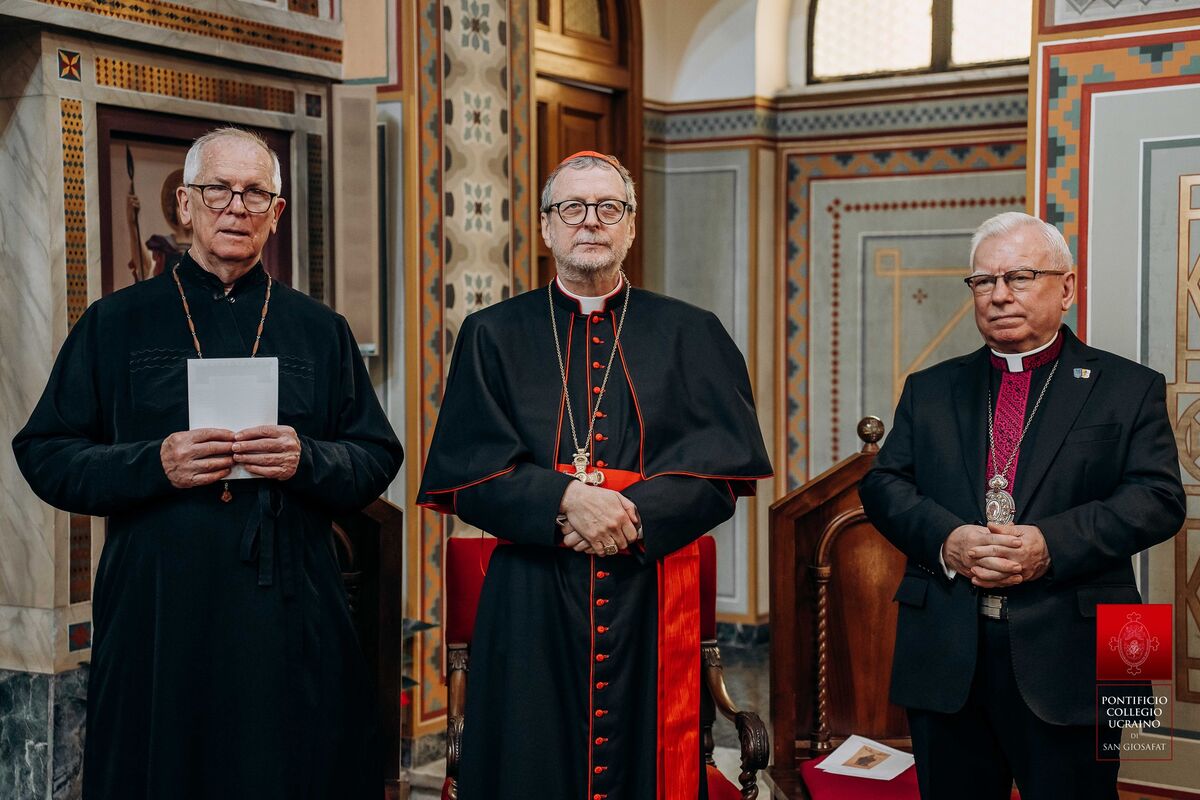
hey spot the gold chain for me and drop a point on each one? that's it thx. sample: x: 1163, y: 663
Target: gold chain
x: 187, y: 312
x: 562, y: 369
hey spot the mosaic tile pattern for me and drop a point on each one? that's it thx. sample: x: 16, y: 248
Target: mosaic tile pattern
x: 314, y: 151
x: 80, y: 559
x: 309, y: 7
x: 802, y: 169
x: 69, y: 66
x: 149, y: 79
x: 75, y: 208
x: 809, y: 123
x: 187, y: 19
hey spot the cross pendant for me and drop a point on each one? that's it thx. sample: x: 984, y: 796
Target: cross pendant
x: 580, y: 462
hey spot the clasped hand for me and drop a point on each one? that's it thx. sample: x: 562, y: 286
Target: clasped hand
x: 207, y: 455
x: 597, y: 517
x: 998, y: 555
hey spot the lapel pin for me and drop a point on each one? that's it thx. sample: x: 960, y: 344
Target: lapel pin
x: 1082, y: 373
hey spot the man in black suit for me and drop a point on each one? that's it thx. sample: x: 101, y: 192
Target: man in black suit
x: 1018, y: 480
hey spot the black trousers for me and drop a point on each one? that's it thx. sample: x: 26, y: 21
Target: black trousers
x: 995, y: 739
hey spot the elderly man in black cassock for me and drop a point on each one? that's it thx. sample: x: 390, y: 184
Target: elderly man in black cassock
x: 224, y: 663
x: 598, y: 430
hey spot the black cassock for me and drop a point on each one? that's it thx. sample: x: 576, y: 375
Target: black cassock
x: 224, y: 660
x: 564, y: 698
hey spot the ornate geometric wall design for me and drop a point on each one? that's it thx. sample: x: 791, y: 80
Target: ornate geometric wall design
x: 1071, y: 15
x: 75, y: 208
x: 802, y: 169
x: 314, y: 155
x: 774, y: 124
x: 1070, y: 75
x: 69, y: 66
x: 79, y: 558
x: 146, y: 78
x: 310, y: 7
x: 520, y: 164
x: 430, y: 696
x: 1183, y: 401
x: 187, y: 19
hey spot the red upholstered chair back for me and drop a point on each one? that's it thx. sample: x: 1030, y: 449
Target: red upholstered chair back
x: 466, y: 563
x: 467, y: 559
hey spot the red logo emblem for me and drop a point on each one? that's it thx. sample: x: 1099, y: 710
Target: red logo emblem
x: 1133, y: 641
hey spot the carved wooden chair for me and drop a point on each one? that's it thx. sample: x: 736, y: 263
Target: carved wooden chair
x: 464, y: 580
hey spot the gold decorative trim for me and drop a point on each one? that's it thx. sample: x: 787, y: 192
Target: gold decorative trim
x: 74, y: 208
x: 161, y: 14
x: 119, y: 74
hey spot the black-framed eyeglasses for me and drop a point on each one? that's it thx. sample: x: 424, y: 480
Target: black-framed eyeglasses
x: 574, y: 212
x: 218, y: 197
x: 1019, y: 280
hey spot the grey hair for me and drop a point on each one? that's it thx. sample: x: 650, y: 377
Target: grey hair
x: 1009, y: 221
x: 588, y: 162
x: 191, y: 164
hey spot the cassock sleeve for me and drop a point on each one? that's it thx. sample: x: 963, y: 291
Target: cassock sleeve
x: 676, y: 510
x: 65, y: 451
x: 914, y: 523
x: 478, y: 466
x: 355, y: 466
x: 1148, y: 506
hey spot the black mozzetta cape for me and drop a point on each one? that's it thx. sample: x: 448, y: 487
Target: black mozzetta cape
x: 679, y: 376
x: 563, y: 698
x: 224, y: 661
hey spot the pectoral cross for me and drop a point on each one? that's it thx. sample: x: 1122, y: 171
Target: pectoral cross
x: 580, y: 461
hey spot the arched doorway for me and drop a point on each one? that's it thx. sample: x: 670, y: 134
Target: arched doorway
x: 588, y: 62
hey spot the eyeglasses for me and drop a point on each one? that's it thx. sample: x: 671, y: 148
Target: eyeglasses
x: 218, y: 197
x: 574, y: 212
x: 1019, y: 280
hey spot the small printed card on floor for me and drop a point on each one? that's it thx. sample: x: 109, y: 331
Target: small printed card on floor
x: 864, y: 758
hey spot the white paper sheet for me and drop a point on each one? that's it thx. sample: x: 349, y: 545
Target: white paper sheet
x: 234, y: 394
x: 866, y: 758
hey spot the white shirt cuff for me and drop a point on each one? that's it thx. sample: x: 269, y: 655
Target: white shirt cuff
x: 941, y: 561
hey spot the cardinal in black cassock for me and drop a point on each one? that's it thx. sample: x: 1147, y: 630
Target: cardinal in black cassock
x: 584, y: 674
x: 224, y: 661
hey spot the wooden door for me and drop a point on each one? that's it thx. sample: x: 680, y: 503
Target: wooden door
x: 588, y: 65
x: 569, y: 119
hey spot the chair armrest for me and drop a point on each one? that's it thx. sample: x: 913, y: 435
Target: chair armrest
x: 752, y: 732
x: 458, y: 658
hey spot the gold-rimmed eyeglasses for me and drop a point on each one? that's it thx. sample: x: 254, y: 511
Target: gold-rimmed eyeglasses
x: 218, y: 197
x: 1019, y: 280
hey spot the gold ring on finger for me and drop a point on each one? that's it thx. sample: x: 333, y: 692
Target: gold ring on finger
x: 610, y: 549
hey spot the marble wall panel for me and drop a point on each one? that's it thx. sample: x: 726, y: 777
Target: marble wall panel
x: 25, y: 735
x: 32, y: 308
x: 696, y: 220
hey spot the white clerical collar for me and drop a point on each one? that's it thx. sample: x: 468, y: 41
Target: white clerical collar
x: 1016, y: 361
x: 588, y: 304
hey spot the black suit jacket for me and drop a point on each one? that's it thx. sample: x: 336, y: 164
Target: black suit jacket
x: 1101, y: 481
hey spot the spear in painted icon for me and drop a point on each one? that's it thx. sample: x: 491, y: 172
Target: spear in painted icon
x: 140, y: 270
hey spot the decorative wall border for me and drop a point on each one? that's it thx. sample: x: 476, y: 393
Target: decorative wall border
x: 131, y: 76
x: 800, y: 169
x: 1069, y: 75
x: 430, y: 696
x: 74, y: 208
x: 521, y: 166
x: 173, y: 16
x: 765, y: 120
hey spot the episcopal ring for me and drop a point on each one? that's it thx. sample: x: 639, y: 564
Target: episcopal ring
x: 610, y: 549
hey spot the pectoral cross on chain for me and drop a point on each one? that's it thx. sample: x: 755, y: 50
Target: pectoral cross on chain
x: 580, y: 461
